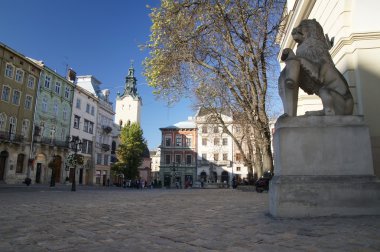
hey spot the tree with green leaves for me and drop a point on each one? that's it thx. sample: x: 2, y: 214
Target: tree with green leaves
x: 130, y: 151
x: 222, y: 53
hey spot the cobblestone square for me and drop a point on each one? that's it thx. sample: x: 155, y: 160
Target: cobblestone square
x: 116, y: 219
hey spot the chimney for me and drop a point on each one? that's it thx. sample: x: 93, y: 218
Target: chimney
x: 71, y: 75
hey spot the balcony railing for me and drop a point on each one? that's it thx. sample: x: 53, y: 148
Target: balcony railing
x: 179, y: 165
x: 106, y: 147
x: 52, y: 142
x: 7, y: 136
x: 107, y: 129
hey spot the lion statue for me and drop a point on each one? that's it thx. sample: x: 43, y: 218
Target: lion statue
x: 312, y: 69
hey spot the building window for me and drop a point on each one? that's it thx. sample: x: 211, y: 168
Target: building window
x: 25, y: 128
x: 88, y: 108
x: 216, y: 156
x: 47, y: 81
x: 178, y: 159
x: 57, y: 87
x: 12, y: 126
x: 178, y: 140
x: 216, y: 129
x: 64, y: 113
x: 84, y: 145
x: 204, y: 141
x: 31, y: 81
x: 168, y: 140
x: 55, y: 108
x: 91, y: 127
x: 67, y: 92
x: 204, y: 129
x: 92, y: 110
x: 78, y: 103
x: 76, y: 121
x: 225, y: 141
x: 237, y: 129
x: 28, y: 102
x: 188, y: 159
x: 106, y: 157
x: 188, y: 142
x: 238, y: 168
x: 44, y: 104
x: 204, y: 156
x: 16, y: 97
x: 5, y: 93
x: 3, y: 121
x: 167, y: 159
x: 216, y: 141
x: 99, y: 158
x: 85, y: 125
x: 89, y: 147
x: 9, y: 71
x: 20, y: 163
x: 19, y: 75
x: 63, y: 134
x: 225, y: 157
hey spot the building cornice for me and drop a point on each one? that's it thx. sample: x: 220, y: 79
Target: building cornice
x: 354, y: 37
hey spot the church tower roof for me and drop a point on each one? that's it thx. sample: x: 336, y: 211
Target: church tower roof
x: 130, y: 84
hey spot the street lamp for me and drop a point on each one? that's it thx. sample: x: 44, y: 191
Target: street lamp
x: 75, y: 145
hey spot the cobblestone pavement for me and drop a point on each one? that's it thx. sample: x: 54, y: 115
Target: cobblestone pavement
x: 115, y: 219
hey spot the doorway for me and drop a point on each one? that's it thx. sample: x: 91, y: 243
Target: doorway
x: 38, y: 173
x: 3, y: 158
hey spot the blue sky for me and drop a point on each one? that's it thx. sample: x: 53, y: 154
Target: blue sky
x: 94, y: 37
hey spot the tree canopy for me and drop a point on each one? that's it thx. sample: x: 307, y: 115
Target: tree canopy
x: 219, y: 51
x: 129, y: 153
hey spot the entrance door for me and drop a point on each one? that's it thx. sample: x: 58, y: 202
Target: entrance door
x: 57, y: 169
x: 3, y: 158
x: 80, y: 176
x: 38, y: 173
x: 167, y: 180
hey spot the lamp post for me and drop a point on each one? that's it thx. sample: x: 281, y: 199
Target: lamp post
x: 75, y: 145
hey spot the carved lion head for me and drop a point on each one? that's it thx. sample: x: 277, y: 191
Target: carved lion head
x: 308, y: 28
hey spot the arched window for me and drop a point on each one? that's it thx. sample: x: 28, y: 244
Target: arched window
x: 225, y: 177
x: 203, y: 176
x: 12, y: 127
x: 3, y: 121
x: 20, y: 163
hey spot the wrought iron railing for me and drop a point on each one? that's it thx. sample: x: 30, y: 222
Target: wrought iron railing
x: 8, y: 136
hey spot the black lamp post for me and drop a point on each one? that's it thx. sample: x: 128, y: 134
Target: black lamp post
x: 75, y: 145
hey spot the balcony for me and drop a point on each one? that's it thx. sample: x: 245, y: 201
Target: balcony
x: 52, y: 142
x: 107, y: 129
x: 106, y: 147
x: 11, y: 137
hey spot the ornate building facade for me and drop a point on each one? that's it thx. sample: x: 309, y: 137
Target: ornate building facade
x: 19, y: 78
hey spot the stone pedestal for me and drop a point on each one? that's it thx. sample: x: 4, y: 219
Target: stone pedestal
x: 323, y: 166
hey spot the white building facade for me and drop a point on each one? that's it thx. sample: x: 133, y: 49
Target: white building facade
x: 83, y: 125
x: 218, y: 158
x: 102, y: 138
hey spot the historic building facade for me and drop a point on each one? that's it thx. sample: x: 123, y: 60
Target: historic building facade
x: 218, y: 157
x: 52, y: 127
x: 83, y: 125
x: 19, y: 77
x: 352, y: 26
x: 178, y: 165
x: 103, y: 126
